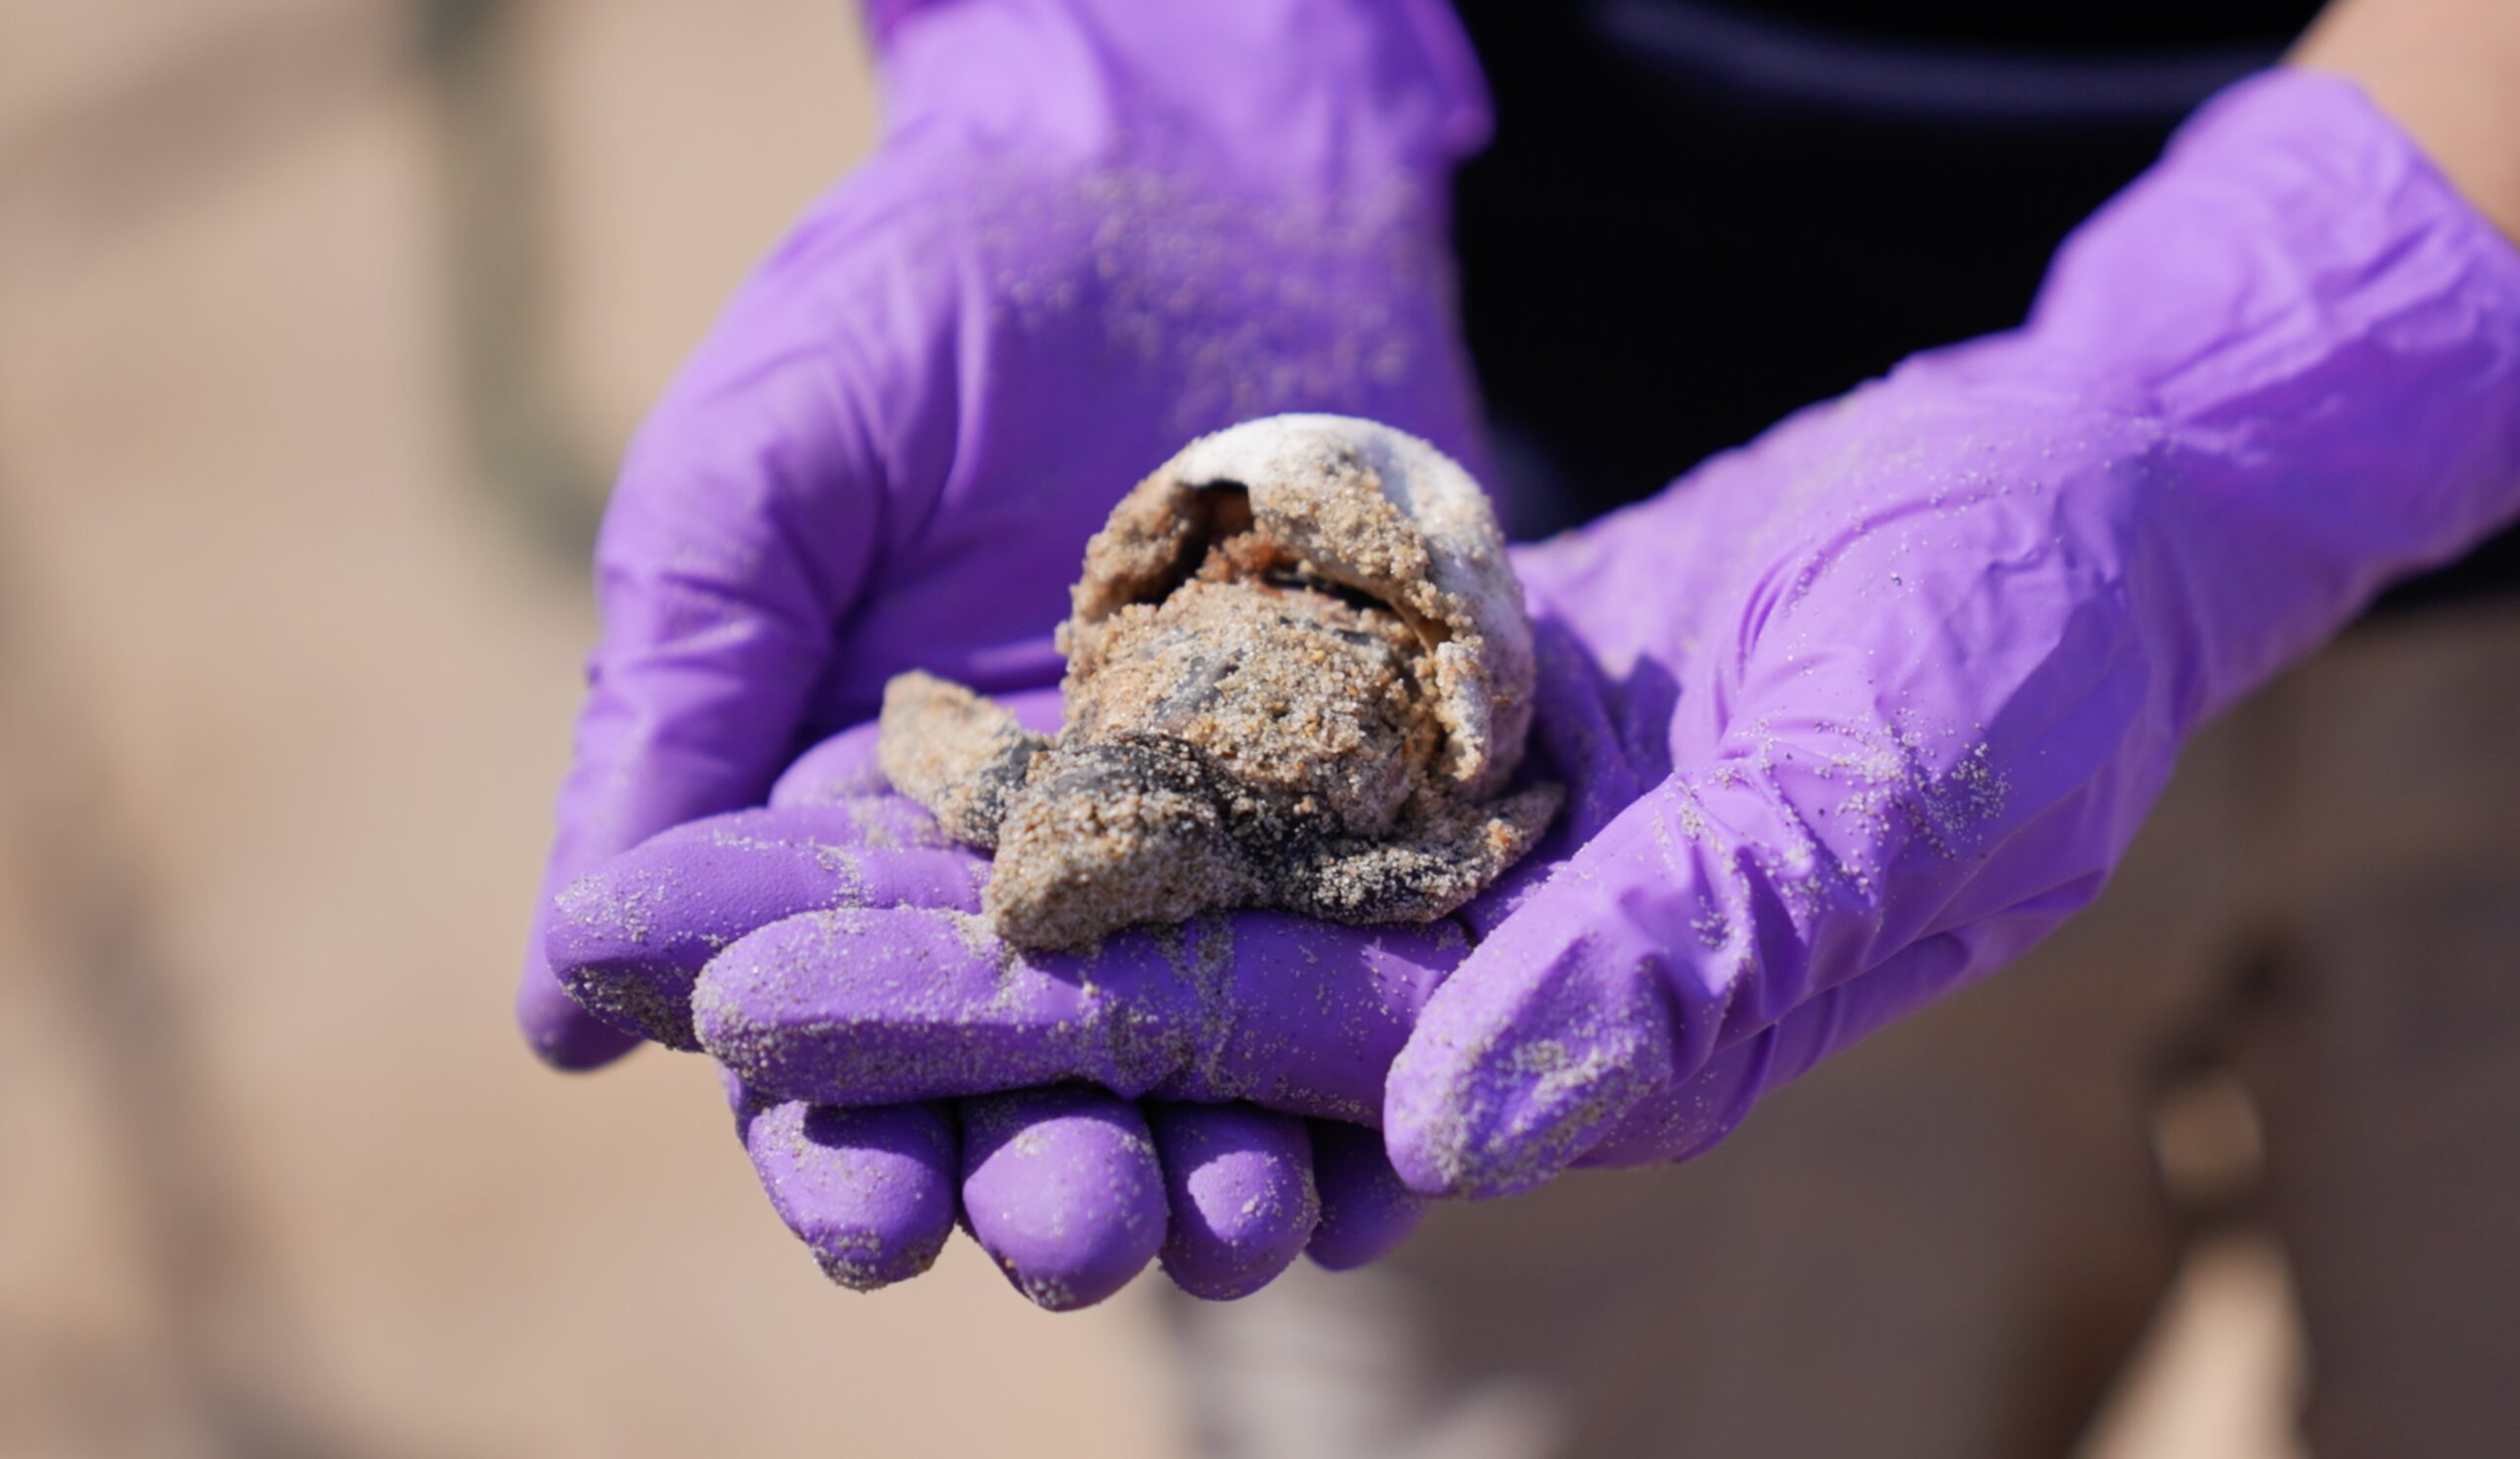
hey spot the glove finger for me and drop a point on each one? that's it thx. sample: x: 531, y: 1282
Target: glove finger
x: 1366, y: 1211
x: 870, y: 1192
x: 1690, y: 1116
x: 1562, y: 1040
x: 879, y: 1006
x: 1544, y: 1040
x: 840, y: 768
x: 1063, y: 1189
x: 1239, y: 1181
x: 561, y: 1033
x: 1693, y: 1114
x: 844, y: 766
x: 628, y: 939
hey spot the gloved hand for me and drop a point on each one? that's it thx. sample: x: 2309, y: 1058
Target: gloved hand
x: 1850, y: 718
x: 1093, y: 230
x: 1071, y: 1189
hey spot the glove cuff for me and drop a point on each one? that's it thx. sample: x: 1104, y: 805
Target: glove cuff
x: 2329, y: 335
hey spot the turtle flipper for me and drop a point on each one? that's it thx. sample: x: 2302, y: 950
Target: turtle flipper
x: 1428, y: 866
x: 955, y: 753
x: 1111, y: 835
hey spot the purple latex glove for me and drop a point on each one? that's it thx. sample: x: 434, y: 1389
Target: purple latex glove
x: 1850, y: 716
x: 1093, y: 230
x: 1072, y: 1189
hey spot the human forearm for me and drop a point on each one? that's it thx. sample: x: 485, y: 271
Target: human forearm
x: 2448, y: 71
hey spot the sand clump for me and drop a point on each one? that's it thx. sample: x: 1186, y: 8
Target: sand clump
x: 1298, y: 676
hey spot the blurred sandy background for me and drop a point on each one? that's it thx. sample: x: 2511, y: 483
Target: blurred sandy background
x: 321, y: 325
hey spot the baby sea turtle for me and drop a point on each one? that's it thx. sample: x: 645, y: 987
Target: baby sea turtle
x: 1298, y: 676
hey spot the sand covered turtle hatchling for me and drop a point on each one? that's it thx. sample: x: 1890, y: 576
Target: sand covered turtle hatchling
x: 1298, y: 676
